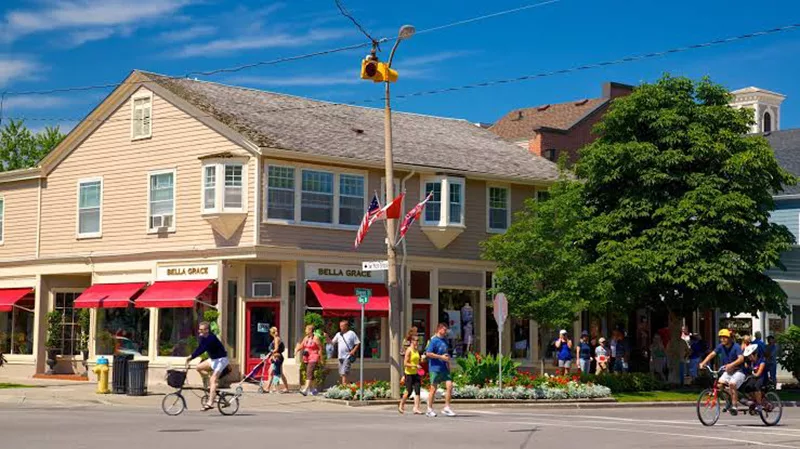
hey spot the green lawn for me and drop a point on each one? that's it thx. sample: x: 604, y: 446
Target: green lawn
x: 683, y: 395
x: 4, y: 386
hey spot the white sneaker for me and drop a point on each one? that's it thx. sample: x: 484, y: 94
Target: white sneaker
x: 448, y: 411
x: 430, y: 413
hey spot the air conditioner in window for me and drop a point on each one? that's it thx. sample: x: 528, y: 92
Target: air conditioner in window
x: 262, y: 289
x: 161, y: 222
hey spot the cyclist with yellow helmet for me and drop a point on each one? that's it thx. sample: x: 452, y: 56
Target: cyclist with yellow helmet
x: 732, y: 361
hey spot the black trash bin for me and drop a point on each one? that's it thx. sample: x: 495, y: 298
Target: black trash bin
x: 137, y: 377
x: 119, y: 373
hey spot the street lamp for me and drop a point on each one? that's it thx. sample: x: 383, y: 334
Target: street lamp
x: 395, y: 365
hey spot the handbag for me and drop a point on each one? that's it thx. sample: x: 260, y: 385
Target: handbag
x: 352, y: 358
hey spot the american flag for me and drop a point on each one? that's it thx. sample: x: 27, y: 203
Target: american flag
x: 412, y: 216
x: 369, y: 218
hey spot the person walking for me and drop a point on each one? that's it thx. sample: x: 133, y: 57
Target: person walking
x: 621, y: 359
x: 347, y: 343
x: 584, y: 353
x: 413, y: 381
x: 564, y: 350
x: 311, y: 348
x: 439, y: 366
x: 412, y: 333
x: 771, y: 351
x: 601, y: 355
x: 276, y: 375
x: 757, y: 340
x: 658, y: 353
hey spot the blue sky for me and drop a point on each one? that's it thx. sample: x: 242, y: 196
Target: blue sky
x: 58, y: 43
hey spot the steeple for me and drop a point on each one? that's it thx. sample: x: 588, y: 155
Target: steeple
x: 766, y: 107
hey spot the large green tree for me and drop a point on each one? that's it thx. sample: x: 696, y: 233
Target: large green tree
x: 542, y: 269
x: 21, y: 148
x: 675, y: 199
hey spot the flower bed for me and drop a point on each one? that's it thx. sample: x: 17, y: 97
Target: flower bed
x: 524, y: 387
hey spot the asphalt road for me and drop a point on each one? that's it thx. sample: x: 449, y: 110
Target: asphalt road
x: 122, y: 428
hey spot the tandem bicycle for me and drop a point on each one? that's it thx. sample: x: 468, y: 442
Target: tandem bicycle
x: 715, y: 400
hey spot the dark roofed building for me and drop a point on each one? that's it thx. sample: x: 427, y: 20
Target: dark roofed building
x: 551, y: 130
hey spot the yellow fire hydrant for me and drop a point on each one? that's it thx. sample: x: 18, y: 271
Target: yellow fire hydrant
x: 101, y: 369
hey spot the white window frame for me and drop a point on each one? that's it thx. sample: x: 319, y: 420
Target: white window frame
x: 298, y: 194
x: 219, y: 186
x: 174, y: 198
x: 444, y: 213
x: 141, y: 96
x: 489, y: 227
x: 2, y: 220
x: 88, y: 235
x: 266, y: 194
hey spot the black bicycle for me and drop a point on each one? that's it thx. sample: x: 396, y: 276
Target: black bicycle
x: 174, y: 404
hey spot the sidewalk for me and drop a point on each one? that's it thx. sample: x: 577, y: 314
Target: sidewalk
x: 64, y: 394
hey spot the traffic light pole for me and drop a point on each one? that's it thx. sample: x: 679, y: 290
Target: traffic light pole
x: 391, y: 225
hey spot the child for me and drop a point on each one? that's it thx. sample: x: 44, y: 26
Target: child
x: 276, y: 362
x: 601, y: 355
x: 757, y: 369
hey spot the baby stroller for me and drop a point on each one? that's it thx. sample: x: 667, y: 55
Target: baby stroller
x: 258, y: 375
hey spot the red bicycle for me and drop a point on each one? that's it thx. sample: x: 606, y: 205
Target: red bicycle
x: 714, y: 401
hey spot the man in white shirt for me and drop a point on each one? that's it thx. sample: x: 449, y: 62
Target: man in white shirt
x: 347, y: 344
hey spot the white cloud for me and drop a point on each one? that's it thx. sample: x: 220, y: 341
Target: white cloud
x: 416, y: 61
x: 27, y: 102
x: 13, y: 68
x: 262, y: 42
x: 85, y: 15
x: 79, y: 38
x: 186, y: 34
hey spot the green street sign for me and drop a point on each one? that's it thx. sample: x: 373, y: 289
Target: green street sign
x: 363, y: 295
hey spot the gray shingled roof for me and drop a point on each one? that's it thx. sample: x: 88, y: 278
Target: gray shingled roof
x: 327, y: 129
x: 786, y: 145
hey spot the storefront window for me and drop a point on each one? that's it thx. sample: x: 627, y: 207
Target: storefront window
x: 232, y: 316
x: 777, y: 325
x: 70, y: 331
x: 520, y: 334
x: 16, y: 332
x: 177, y: 331
x: 372, y: 338
x: 547, y: 339
x: 420, y: 318
x: 123, y: 331
x: 460, y: 309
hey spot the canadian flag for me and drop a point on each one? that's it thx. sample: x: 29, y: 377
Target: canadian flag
x: 391, y: 210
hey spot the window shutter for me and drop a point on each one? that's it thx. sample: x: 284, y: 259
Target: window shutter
x: 137, y: 120
x: 146, y: 113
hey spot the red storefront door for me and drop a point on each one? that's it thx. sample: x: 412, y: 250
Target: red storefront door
x: 260, y: 317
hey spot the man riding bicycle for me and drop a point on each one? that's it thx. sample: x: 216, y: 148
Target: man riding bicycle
x: 216, y: 363
x: 732, y: 360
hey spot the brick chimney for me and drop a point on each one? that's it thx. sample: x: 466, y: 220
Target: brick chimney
x: 614, y: 90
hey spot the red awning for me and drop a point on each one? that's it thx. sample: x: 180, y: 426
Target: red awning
x: 339, y: 298
x: 9, y: 297
x: 109, y: 296
x: 167, y: 294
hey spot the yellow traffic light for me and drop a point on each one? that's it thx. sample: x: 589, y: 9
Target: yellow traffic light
x: 376, y: 71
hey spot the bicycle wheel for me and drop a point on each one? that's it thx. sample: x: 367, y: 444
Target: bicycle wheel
x: 228, y: 404
x: 173, y: 404
x: 204, y: 400
x: 771, y: 409
x: 708, y: 407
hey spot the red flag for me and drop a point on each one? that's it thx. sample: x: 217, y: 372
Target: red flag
x: 412, y: 216
x: 391, y: 210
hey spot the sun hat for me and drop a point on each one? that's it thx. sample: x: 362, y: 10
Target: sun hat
x: 563, y: 332
x: 748, y: 351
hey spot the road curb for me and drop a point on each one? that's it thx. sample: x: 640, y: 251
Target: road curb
x: 575, y: 404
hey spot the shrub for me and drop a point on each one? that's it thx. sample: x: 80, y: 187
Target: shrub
x: 84, y: 323
x: 212, y: 316
x: 789, y: 350
x: 624, y: 382
x: 482, y: 370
